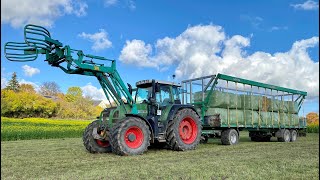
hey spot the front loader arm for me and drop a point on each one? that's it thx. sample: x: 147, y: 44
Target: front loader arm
x: 38, y: 41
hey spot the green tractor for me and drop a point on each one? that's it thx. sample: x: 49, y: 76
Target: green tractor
x: 151, y: 114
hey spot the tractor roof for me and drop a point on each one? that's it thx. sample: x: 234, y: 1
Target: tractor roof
x: 147, y: 83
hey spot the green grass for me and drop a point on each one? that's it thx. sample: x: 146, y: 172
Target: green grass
x: 68, y: 159
x: 40, y: 128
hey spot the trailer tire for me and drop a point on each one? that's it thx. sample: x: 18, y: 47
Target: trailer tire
x: 284, y: 135
x: 94, y: 145
x: 229, y: 137
x: 255, y: 139
x: 184, y: 131
x: 131, y: 136
x: 293, y: 135
x: 204, y: 139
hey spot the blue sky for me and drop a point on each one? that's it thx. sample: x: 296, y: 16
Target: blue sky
x: 274, y: 42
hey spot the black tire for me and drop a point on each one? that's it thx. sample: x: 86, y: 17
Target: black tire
x: 266, y: 139
x: 131, y: 136
x: 184, y: 131
x: 229, y: 137
x: 285, y: 135
x: 261, y: 139
x: 94, y: 145
x: 293, y: 135
x: 255, y: 139
x: 204, y: 139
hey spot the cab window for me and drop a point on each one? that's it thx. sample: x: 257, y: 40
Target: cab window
x: 143, y: 94
x: 164, y: 96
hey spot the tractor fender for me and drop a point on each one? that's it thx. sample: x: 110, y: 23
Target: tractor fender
x: 147, y: 122
x: 176, y: 108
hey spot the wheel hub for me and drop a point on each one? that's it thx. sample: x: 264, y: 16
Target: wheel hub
x: 134, y: 137
x: 131, y: 137
x: 188, y: 130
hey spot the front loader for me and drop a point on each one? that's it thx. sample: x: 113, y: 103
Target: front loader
x: 154, y: 114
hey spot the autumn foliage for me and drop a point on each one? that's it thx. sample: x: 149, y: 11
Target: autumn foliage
x: 26, y: 102
x: 313, y: 122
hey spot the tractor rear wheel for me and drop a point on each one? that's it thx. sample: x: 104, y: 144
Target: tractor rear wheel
x: 95, y: 145
x: 184, y: 131
x: 131, y: 136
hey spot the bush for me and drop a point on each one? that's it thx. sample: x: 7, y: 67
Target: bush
x: 313, y: 128
x: 26, y: 104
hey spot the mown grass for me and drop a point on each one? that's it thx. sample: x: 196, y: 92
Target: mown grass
x: 40, y: 128
x: 67, y: 159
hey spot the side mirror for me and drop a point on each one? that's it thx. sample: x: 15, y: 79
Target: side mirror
x: 130, y: 88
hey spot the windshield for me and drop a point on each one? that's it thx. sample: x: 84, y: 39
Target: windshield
x: 143, y: 94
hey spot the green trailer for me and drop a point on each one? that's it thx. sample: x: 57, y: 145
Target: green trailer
x: 228, y: 105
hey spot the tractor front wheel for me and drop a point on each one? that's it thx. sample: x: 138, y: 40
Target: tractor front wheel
x: 94, y: 145
x: 184, y: 131
x: 131, y: 136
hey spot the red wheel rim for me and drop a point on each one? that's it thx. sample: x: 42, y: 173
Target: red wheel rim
x: 134, y: 137
x: 188, y: 130
x: 103, y: 143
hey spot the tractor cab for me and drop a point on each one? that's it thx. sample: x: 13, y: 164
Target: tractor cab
x: 160, y: 93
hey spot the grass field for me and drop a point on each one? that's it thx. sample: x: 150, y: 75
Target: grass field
x: 67, y: 159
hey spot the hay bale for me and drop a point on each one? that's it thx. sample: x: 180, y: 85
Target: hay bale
x: 219, y: 99
x: 266, y: 118
x: 293, y: 107
x: 274, y: 105
x: 251, y: 117
x: 235, y: 101
x: 284, y: 119
x: 223, y: 113
x: 250, y: 102
x: 264, y: 103
x: 275, y: 118
x: 236, y: 115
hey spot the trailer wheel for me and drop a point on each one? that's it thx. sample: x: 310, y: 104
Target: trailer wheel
x: 184, y: 131
x: 293, y: 135
x: 95, y: 145
x: 131, y: 136
x: 254, y: 138
x: 284, y: 135
x: 204, y: 139
x: 229, y: 137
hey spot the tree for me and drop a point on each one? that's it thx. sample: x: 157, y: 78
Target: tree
x: 27, y: 88
x: 312, y: 118
x: 73, y: 94
x: 13, y: 83
x: 49, y: 89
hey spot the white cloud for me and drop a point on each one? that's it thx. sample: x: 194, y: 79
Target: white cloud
x: 137, y: 52
x: 255, y: 21
x: 308, y: 5
x: 100, y: 39
x: 131, y: 5
x: 124, y: 3
x: 93, y: 92
x: 278, y: 28
x: 35, y: 85
x: 17, y: 13
x: 110, y: 2
x: 4, y: 82
x: 205, y: 49
x: 30, y: 71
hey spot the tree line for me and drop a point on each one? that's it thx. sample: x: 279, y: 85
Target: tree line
x: 22, y: 100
